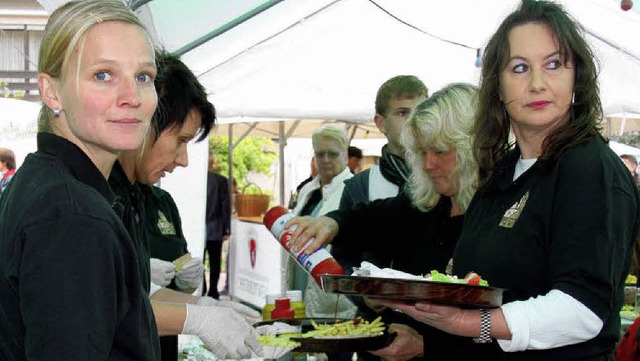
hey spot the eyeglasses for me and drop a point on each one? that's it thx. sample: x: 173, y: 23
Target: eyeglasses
x: 330, y: 154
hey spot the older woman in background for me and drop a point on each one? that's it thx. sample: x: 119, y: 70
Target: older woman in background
x: 319, y: 196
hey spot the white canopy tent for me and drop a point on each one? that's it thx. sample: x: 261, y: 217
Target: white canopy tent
x: 325, y: 59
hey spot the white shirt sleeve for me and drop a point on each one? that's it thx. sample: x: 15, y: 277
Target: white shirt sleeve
x: 552, y: 320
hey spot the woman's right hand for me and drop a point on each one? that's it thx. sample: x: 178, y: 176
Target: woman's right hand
x: 323, y: 229
x: 407, y: 344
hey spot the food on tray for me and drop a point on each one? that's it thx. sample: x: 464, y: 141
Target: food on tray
x: 180, y: 261
x: 367, y: 269
x: 283, y: 340
x: 628, y: 312
x: 353, y: 327
x: 356, y: 327
x: 631, y: 280
x: 471, y: 278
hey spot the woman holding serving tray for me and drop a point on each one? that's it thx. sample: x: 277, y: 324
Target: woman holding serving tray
x: 555, y: 217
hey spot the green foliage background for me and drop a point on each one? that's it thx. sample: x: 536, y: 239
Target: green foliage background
x: 255, y: 154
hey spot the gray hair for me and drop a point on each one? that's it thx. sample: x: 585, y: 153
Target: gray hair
x: 333, y: 132
x: 443, y: 122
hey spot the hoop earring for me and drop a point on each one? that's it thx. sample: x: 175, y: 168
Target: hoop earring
x: 573, y: 97
x: 56, y: 112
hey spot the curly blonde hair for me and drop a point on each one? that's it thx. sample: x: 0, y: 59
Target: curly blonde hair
x: 443, y: 122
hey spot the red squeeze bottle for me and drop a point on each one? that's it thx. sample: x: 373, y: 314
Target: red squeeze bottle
x: 283, y: 309
x: 317, y: 263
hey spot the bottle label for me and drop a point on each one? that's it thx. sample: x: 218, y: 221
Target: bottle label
x: 278, y: 227
x: 308, y: 261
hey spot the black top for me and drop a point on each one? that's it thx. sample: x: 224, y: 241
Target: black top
x: 70, y: 288
x: 571, y: 228
x: 218, y: 212
x: 130, y: 195
x: 166, y: 242
x: 164, y: 227
x: 356, y: 190
x: 400, y: 236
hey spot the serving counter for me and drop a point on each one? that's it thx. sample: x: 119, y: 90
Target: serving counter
x: 257, y: 262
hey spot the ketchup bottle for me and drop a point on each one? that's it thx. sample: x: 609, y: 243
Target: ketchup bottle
x: 317, y: 263
x: 283, y: 309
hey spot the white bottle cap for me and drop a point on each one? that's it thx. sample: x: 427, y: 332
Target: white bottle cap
x: 294, y: 295
x: 271, y: 298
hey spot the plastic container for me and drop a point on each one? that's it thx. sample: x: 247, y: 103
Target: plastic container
x: 283, y: 309
x: 317, y: 263
x: 270, y: 305
x: 299, y: 308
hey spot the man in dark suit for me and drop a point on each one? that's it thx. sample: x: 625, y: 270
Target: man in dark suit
x: 218, y: 221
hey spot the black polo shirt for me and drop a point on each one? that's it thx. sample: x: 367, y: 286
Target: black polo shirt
x: 133, y: 217
x: 163, y: 223
x: 70, y: 288
x: 570, y: 227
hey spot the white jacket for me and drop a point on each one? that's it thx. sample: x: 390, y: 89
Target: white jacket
x: 331, y: 193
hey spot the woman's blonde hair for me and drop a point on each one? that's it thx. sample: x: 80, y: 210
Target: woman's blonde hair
x: 67, y: 25
x: 442, y: 122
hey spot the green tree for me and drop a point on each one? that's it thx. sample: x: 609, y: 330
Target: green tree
x: 252, y: 154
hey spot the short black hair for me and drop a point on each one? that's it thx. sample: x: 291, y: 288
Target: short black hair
x: 179, y: 92
x: 354, y: 152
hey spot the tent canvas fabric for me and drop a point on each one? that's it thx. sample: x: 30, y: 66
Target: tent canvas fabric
x: 326, y: 59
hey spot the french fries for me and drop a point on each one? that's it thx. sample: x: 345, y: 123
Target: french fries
x: 278, y: 340
x: 354, y: 327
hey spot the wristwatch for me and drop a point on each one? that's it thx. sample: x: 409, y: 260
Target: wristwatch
x: 485, y: 327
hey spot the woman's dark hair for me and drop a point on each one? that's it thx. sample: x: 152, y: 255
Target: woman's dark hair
x: 179, y: 92
x: 492, y: 128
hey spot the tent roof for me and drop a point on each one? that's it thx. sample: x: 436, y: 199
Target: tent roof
x: 292, y: 128
x: 325, y: 59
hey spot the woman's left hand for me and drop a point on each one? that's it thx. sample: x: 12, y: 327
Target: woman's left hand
x: 450, y: 319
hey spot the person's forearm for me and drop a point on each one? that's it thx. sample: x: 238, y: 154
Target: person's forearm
x: 169, y: 295
x: 170, y: 317
x: 469, y: 325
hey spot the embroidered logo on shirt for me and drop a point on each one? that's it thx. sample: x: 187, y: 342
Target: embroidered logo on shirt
x: 512, y: 214
x: 164, y: 225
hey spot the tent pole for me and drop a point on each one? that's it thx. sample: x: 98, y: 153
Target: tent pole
x: 230, y: 157
x: 281, y: 159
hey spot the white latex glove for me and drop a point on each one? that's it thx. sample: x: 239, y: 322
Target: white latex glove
x: 250, y: 315
x: 190, y: 275
x: 223, y: 331
x: 162, y: 272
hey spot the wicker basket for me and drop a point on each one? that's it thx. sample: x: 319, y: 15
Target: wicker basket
x: 251, y: 205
